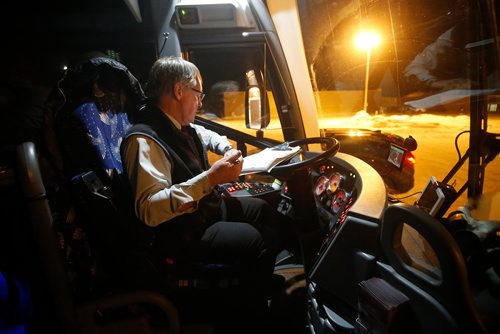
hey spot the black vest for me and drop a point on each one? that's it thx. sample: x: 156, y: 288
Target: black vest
x: 189, y: 158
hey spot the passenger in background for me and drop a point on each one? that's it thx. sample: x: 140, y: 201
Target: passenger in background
x: 175, y: 188
x: 90, y: 112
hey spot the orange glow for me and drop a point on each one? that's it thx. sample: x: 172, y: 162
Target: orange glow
x: 366, y: 40
x: 355, y: 133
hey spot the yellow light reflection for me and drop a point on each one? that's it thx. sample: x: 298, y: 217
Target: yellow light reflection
x: 355, y: 133
x: 366, y: 40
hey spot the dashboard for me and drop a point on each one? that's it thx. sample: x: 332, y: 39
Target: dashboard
x: 347, y: 197
x: 343, y: 185
x: 334, y: 192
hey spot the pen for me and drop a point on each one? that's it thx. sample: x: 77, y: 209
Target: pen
x: 235, y: 156
x: 235, y: 159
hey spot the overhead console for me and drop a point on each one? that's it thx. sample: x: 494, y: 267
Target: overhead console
x: 214, y: 14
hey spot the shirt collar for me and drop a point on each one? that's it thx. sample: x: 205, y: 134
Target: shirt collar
x: 174, y: 121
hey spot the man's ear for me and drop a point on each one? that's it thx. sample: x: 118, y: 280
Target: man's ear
x: 178, y: 91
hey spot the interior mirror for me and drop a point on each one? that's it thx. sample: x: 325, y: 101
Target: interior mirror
x: 256, y: 104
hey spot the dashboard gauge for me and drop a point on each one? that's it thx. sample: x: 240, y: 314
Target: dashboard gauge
x: 339, y: 198
x: 334, y: 181
x: 321, y: 185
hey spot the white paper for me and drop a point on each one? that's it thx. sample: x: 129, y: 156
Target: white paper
x: 266, y: 159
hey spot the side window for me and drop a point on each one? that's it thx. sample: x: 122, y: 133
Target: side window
x: 224, y: 71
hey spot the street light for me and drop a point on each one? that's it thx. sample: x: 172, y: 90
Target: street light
x: 366, y: 40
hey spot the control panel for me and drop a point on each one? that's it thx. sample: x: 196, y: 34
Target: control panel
x: 242, y: 188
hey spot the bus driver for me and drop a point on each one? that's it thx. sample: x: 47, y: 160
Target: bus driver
x: 175, y: 188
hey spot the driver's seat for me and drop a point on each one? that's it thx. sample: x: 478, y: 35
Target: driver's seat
x: 89, y: 130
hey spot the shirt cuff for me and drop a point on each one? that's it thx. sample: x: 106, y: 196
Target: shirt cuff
x: 227, y: 148
x: 200, y: 185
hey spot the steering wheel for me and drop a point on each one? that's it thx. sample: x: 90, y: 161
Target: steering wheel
x: 332, y: 147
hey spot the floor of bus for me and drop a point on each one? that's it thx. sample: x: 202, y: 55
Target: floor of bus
x: 288, y: 308
x: 285, y: 311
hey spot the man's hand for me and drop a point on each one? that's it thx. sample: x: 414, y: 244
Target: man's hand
x: 231, y: 153
x: 226, y: 169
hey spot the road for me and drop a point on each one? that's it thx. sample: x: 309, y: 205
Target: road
x: 436, y: 153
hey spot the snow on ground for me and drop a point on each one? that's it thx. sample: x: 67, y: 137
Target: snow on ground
x: 436, y: 153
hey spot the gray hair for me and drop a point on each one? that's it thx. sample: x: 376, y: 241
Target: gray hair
x: 168, y: 71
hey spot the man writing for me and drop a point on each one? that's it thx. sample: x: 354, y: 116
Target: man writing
x: 174, y: 187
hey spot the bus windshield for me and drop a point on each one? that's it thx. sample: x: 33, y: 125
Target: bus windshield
x: 406, y: 68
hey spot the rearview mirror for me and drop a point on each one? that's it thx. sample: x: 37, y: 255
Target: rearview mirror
x: 257, y: 115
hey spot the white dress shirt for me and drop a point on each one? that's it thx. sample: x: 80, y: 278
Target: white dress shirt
x: 156, y: 199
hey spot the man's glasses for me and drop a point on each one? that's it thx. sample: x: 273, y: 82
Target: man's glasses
x: 199, y: 93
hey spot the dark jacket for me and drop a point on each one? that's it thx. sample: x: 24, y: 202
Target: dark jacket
x: 189, y: 158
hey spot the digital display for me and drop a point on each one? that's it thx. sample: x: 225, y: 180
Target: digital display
x: 396, y: 155
x: 188, y: 15
x: 432, y: 197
